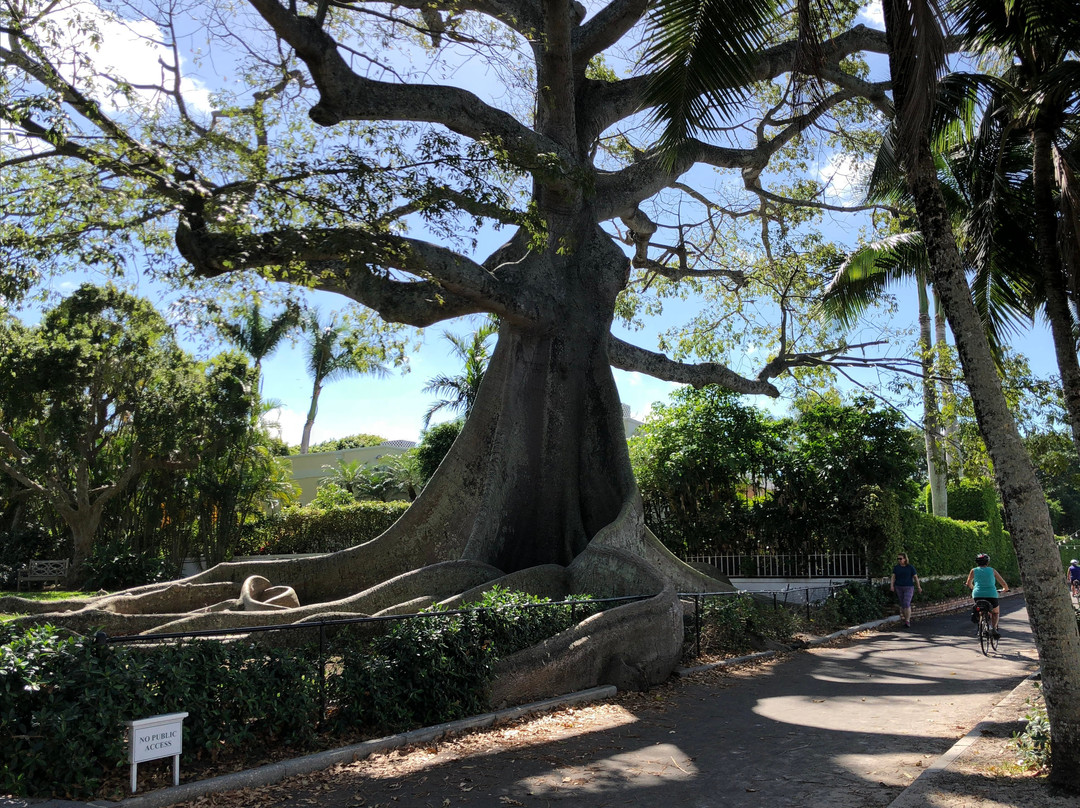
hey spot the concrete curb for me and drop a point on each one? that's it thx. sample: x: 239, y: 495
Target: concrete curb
x: 275, y: 772
x: 914, y: 796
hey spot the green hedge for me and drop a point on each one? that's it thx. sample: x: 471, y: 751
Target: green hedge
x: 947, y: 547
x: 65, y: 697
x: 311, y: 530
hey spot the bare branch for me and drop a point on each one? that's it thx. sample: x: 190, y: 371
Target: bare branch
x: 625, y: 356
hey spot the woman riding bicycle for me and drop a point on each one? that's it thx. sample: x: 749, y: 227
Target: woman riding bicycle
x: 985, y: 582
x: 1072, y: 577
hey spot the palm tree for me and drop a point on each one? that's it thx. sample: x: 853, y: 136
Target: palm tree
x: 988, y: 217
x: 460, y: 390
x: 256, y: 335
x: 916, y: 57
x: 1039, y: 39
x: 334, y: 351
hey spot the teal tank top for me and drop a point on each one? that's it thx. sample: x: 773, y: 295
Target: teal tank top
x: 985, y: 585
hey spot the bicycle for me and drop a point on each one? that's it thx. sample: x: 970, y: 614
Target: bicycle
x: 988, y: 639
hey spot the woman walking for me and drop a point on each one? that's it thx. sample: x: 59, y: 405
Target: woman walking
x: 903, y: 582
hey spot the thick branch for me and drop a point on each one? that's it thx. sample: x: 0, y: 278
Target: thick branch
x: 607, y: 27
x: 625, y: 356
x: 355, y: 262
x: 610, y: 103
x: 344, y: 95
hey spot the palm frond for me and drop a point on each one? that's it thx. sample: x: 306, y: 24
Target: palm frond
x: 701, y: 54
x: 868, y: 273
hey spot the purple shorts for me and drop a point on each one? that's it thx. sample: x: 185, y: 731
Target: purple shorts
x: 905, y: 593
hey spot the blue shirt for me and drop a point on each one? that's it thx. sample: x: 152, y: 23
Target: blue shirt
x: 985, y: 583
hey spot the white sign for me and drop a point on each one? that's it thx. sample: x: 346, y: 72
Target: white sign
x: 156, y: 737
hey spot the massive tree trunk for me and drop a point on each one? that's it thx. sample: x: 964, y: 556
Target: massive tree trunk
x: 1027, y: 517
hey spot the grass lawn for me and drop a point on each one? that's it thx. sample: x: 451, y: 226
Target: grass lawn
x: 48, y: 594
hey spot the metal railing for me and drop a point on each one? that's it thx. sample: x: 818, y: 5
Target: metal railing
x: 789, y: 565
x: 786, y: 597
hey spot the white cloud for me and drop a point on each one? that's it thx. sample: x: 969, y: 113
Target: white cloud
x: 873, y: 16
x: 129, y: 49
x: 843, y: 178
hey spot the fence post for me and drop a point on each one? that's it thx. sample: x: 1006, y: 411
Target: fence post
x: 322, y: 671
x: 697, y: 623
x: 807, y: 591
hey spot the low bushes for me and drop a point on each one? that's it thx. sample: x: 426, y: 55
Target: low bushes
x: 314, y: 530
x: 64, y: 697
x: 732, y: 625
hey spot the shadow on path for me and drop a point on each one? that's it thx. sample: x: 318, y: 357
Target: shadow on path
x: 846, y: 726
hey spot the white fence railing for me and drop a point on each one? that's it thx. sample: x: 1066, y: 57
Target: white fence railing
x: 814, y: 565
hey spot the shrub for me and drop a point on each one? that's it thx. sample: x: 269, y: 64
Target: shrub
x: 735, y: 624
x: 314, y: 530
x: 64, y: 697
x: 114, y: 565
x: 856, y: 602
x: 1033, y: 744
x: 946, y: 547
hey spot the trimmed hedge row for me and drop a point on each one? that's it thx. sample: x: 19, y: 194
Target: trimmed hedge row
x: 311, y: 530
x: 64, y: 698
x: 947, y: 547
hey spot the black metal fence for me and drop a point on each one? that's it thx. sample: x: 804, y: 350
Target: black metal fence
x: 315, y: 633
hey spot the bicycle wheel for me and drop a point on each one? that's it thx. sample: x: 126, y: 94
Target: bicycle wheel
x: 993, y: 637
x: 984, y: 633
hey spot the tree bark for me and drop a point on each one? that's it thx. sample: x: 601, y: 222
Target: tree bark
x: 305, y: 439
x: 935, y: 459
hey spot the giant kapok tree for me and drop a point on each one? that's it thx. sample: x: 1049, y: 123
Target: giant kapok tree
x: 372, y: 150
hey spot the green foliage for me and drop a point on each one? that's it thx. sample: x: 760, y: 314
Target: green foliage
x: 974, y: 500
x: 516, y: 621
x: 855, y: 603
x: 1033, y: 743
x: 331, y: 495
x: 717, y: 476
x: 698, y: 462
x: 434, y: 444
x: 315, y: 530
x: 111, y: 425
x: 65, y: 697
x: 946, y: 547
x: 357, y: 441
x: 113, y: 565
x: 736, y: 624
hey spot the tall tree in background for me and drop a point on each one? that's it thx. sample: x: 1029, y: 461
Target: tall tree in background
x: 256, y: 334
x: 335, y: 349
x: 1039, y: 40
x: 100, y: 394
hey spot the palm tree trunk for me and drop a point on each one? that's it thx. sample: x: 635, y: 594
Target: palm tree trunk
x: 935, y: 459
x: 1057, y: 298
x: 305, y: 441
x: 954, y: 458
x: 1052, y: 617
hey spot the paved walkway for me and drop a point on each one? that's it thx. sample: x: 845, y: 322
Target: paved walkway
x: 847, y: 726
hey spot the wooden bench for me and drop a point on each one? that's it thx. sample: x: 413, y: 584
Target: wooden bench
x: 43, y: 570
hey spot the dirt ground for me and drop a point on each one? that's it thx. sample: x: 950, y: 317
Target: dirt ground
x: 453, y: 771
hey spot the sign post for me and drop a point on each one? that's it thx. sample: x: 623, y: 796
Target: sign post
x: 156, y: 737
